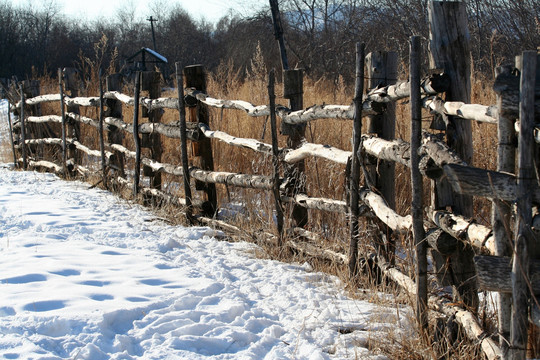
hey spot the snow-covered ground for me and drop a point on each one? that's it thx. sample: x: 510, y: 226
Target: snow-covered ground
x: 85, y: 275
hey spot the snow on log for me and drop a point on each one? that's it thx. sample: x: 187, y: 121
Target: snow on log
x: 252, y: 144
x: 479, y: 236
x: 292, y: 117
x: 57, y: 169
x: 90, y: 152
x: 47, y: 141
x: 82, y: 101
x: 318, y: 203
x: 396, y: 150
x: 83, y: 119
x: 213, y: 177
x: 482, y: 113
x: 154, y: 165
x: 387, y: 215
x: 40, y: 99
x: 57, y: 141
x: 41, y: 119
x: 150, y: 104
x: 169, y: 130
x: 317, y: 150
x: 316, y: 112
x: 115, y: 95
x: 434, y: 84
x: 240, y: 180
x: 250, y: 109
x: 160, y: 103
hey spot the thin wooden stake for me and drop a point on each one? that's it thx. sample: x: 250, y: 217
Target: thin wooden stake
x: 183, y: 143
x: 136, y: 137
x: 278, y: 33
x: 275, y: 156
x: 417, y: 185
x: 63, y: 111
x: 523, y: 238
x: 23, y: 130
x: 355, y: 164
x: 101, y: 140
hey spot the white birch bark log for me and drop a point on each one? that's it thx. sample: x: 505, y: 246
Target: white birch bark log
x: 252, y: 144
x: 482, y: 113
x: 317, y: 150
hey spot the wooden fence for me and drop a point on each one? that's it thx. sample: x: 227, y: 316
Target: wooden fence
x: 481, y: 258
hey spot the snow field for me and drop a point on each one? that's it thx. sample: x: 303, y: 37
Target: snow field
x: 84, y: 275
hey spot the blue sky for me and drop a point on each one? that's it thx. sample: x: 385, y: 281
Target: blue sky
x: 212, y: 10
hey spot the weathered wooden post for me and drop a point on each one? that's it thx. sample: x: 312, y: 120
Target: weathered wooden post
x: 381, y: 69
x: 523, y: 234
x: 71, y: 83
x: 195, y: 78
x: 63, y: 112
x: 183, y: 144
x: 295, y: 178
x: 275, y: 156
x: 101, y: 140
x: 33, y: 131
x: 150, y: 81
x: 450, y: 51
x: 115, y: 135
x: 23, y: 129
x: 501, y: 216
x: 136, y: 137
x: 355, y: 163
x: 11, y: 134
x: 417, y: 208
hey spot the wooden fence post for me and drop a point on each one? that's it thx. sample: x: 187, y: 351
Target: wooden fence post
x: 417, y: 208
x: 501, y: 216
x: 183, y: 144
x: 295, y: 178
x: 101, y: 140
x: 450, y: 51
x: 150, y: 81
x: 523, y: 235
x: 136, y: 138
x: 71, y: 84
x: 275, y: 156
x: 23, y: 128
x: 195, y: 78
x: 11, y: 134
x: 355, y: 163
x: 33, y: 131
x: 63, y: 112
x: 115, y: 135
x: 381, y: 69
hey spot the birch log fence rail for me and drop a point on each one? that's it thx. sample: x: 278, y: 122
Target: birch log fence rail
x: 502, y: 260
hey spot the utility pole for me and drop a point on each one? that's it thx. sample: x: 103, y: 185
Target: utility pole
x: 152, y: 20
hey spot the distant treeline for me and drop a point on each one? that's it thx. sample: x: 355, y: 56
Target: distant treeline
x: 320, y: 35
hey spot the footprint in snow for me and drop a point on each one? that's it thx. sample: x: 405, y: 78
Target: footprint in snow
x: 24, y: 279
x: 42, y: 306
